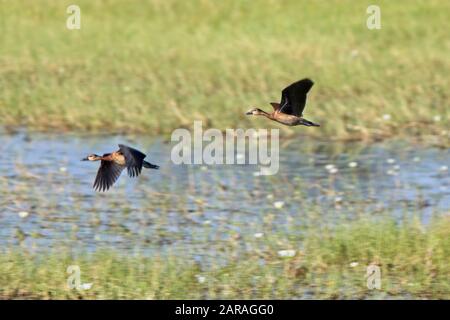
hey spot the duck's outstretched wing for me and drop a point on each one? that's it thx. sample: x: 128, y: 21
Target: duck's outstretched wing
x: 107, y: 174
x: 293, y: 97
x: 133, y: 160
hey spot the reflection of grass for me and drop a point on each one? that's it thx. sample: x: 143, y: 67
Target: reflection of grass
x: 328, y: 264
x: 154, y: 67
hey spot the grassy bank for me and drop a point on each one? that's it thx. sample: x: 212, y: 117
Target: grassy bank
x: 327, y: 264
x: 152, y: 67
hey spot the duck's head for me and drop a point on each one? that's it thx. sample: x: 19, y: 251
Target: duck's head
x: 92, y: 157
x: 255, y: 112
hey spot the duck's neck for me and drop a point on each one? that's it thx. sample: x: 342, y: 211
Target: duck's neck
x: 267, y: 115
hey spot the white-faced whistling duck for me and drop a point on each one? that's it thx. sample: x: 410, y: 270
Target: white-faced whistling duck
x: 112, y: 164
x: 290, y: 110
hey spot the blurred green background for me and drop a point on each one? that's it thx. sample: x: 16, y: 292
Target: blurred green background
x: 152, y: 66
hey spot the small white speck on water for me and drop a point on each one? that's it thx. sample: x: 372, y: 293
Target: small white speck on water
x: 416, y: 159
x: 286, y: 253
x: 390, y: 160
x: 333, y: 171
x: 330, y: 167
x: 396, y: 167
x: 391, y: 172
x: 203, y: 168
x: 353, y: 164
x: 387, y: 117
x: 200, y: 279
x: 23, y: 214
x: 278, y: 204
x: 207, y: 222
x: 258, y: 235
x: 63, y: 169
x: 437, y: 118
x: 86, y: 286
x: 443, y: 168
x: 338, y: 199
x: 354, y: 53
x: 354, y: 264
x: 239, y: 156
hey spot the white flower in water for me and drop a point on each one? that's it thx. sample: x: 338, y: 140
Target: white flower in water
x: 286, y: 253
x: 330, y: 167
x: 278, y: 204
x: 390, y: 160
x: 200, y: 279
x: 443, y: 168
x: 63, y: 169
x: 23, y: 214
x: 86, y: 286
x: 353, y: 164
x: 391, y: 172
x: 437, y: 118
x: 386, y: 117
x: 258, y: 235
x: 333, y: 171
x: 416, y: 159
x: 354, y: 264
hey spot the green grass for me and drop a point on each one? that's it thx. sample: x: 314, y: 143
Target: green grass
x: 155, y: 66
x: 413, y: 259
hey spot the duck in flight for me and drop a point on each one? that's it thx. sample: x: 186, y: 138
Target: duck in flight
x: 290, y: 110
x: 113, y: 163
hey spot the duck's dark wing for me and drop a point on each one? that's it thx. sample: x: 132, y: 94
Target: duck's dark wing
x: 275, y: 105
x: 133, y: 160
x: 107, y: 174
x: 293, y: 97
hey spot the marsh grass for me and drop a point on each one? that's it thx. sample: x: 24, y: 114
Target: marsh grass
x: 413, y: 259
x: 155, y: 66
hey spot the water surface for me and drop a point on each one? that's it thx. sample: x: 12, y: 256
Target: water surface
x: 47, y: 200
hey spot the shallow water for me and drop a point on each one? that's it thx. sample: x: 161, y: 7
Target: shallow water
x: 47, y: 200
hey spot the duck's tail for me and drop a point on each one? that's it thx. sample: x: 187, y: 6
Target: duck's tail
x: 148, y: 165
x: 308, y: 123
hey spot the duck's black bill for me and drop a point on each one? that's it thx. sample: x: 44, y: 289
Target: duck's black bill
x: 249, y: 113
x: 84, y: 159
